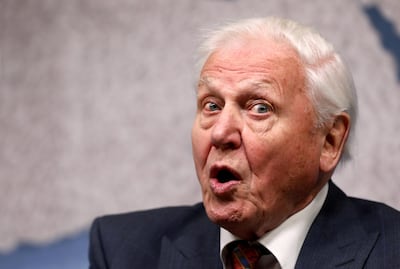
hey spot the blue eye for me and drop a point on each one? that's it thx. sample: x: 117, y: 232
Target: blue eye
x: 261, y: 108
x: 211, y: 106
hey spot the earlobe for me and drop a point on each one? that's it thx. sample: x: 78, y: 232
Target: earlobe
x: 335, y: 139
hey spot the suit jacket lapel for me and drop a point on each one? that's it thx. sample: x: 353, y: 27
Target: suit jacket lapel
x: 337, y: 238
x: 195, y: 246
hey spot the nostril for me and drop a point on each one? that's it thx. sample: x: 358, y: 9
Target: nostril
x: 222, y: 146
x: 228, y: 141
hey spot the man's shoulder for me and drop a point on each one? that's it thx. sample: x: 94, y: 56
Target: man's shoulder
x: 150, y: 223
x: 375, y: 206
x: 366, y: 211
x: 380, y: 214
x: 379, y: 232
x: 352, y: 231
x: 149, y: 234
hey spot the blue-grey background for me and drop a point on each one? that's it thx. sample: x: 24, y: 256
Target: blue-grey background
x: 97, y: 99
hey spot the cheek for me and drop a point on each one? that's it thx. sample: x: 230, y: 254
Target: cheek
x: 200, y: 147
x: 261, y: 151
x: 280, y: 161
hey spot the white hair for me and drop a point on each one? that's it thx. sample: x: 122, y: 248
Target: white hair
x: 330, y: 86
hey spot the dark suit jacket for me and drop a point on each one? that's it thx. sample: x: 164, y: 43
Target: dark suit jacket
x: 347, y: 233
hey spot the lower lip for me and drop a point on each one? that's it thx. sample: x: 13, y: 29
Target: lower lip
x: 219, y: 188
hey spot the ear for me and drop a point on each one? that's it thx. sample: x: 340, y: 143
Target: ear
x: 334, y: 141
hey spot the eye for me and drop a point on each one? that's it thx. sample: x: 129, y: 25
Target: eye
x: 261, y: 108
x: 211, y: 106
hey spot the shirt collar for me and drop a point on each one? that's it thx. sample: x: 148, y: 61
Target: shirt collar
x: 293, y: 230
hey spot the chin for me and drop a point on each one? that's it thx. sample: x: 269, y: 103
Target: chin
x: 235, y: 217
x: 224, y: 212
x: 234, y: 222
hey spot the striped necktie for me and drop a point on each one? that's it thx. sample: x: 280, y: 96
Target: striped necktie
x: 245, y: 255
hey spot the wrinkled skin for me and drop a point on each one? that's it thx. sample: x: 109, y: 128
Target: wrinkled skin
x: 258, y: 154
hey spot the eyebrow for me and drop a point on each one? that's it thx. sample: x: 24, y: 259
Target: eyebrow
x: 204, y: 81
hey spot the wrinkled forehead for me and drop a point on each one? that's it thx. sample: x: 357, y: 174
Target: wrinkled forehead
x: 255, y: 61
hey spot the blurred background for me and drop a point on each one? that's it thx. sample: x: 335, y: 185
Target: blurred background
x: 97, y: 100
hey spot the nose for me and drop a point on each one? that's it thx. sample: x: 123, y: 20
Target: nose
x: 226, y: 132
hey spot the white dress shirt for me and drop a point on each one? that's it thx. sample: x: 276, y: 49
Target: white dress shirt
x: 285, y: 241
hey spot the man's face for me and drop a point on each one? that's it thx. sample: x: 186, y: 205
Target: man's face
x: 255, y: 145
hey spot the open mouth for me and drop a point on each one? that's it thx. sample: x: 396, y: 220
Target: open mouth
x: 224, y: 174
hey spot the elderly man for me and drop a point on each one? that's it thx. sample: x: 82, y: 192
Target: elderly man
x: 275, y: 109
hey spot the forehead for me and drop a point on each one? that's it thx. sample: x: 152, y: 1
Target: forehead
x: 267, y: 60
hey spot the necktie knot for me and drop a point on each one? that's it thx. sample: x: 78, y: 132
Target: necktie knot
x: 245, y: 255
